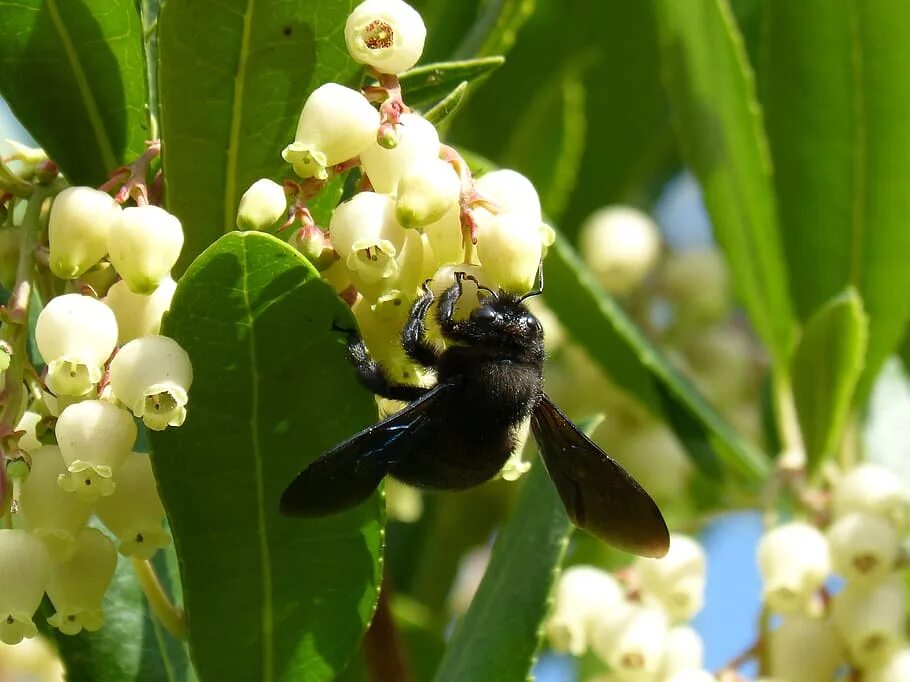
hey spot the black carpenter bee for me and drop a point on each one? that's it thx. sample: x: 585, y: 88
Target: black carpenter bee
x: 460, y: 432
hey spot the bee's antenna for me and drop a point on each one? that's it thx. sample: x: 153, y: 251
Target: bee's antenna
x: 539, y: 289
x: 480, y: 286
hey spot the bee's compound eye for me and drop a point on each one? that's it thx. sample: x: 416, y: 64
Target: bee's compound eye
x: 532, y: 323
x: 484, y: 314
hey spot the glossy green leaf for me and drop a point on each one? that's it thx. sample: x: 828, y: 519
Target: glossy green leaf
x: 448, y: 106
x: 597, y: 323
x: 233, y: 77
x: 837, y: 101
x: 496, y: 27
x: 549, y: 141
x: 827, y: 364
x: 425, y: 86
x: 131, y: 646
x: 74, y: 73
x: 720, y: 129
x: 267, y: 597
x: 498, y: 637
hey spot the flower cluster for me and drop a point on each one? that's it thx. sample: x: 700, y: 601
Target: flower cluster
x: 636, y: 623
x: 73, y: 488
x: 864, y: 623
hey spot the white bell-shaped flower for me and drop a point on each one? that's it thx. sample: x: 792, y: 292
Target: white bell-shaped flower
x: 446, y: 239
x: 685, y: 651
x: 139, y: 314
x: 510, y: 249
x: 367, y: 236
x: 896, y: 670
x: 875, y: 490
x: 677, y: 581
x: 385, y: 34
x: 75, y: 335
x: 152, y: 376
x: 134, y: 512
x: 48, y: 512
x: 583, y: 595
x: 620, y: 245
x: 418, y: 140
x: 804, y: 649
x: 864, y: 547
x: 79, y: 222
x: 871, y: 619
x: 77, y: 586
x: 426, y: 191
x: 24, y: 570
x: 261, y: 205
x: 795, y: 561
x: 28, y: 424
x: 144, y: 245
x: 512, y: 192
x: 335, y: 125
x: 635, y: 645
x: 94, y: 438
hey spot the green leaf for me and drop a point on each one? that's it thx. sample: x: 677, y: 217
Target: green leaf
x: 498, y: 637
x: 267, y: 597
x: 826, y: 365
x: 837, y: 100
x: 233, y: 77
x: 425, y: 86
x: 719, y: 126
x: 598, y: 324
x: 74, y: 73
x: 495, y: 29
x: 131, y: 646
x: 549, y: 141
x: 448, y: 106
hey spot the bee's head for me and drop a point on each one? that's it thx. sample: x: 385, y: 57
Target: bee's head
x: 502, y: 318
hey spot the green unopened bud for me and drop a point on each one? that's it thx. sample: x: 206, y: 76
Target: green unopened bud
x: 10, y: 239
x: 77, y: 586
x: 387, y: 136
x: 313, y: 245
x: 261, y: 205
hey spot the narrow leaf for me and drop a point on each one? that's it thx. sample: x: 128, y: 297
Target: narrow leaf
x: 498, y: 637
x: 496, y: 27
x: 720, y: 129
x: 613, y: 341
x: 230, y: 95
x: 826, y: 366
x: 448, y: 106
x: 267, y: 597
x: 426, y: 85
x: 837, y: 101
x: 74, y: 73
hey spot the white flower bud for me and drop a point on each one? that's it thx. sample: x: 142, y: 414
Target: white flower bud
x: 24, y: 570
x: 634, y: 645
x: 804, y: 649
x: 896, y: 670
x: 512, y: 192
x: 75, y: 335
x: 139, y: 314
x: 685, y: 651
x: 620, y: 245
x: 261, y: 205
x: 79, y: 222
x: 49, y: 513
x: 144, y: 245
x: 795, y: 562
x: 677, y: 580
x: 871, y: 620
x: 366, y: 235
x: 698, y: 282
x: 510, y: 249
x: 134, y: 512
x: 584, y: 596
x: 418, y: 140
x: 77, y: 587
x: 446, y: 239
x: 864, y: 547
x: 875, y: 490
x: 426, y: 191
x: 152, y: 377
x: 28, y: 423
x: 385, y: 34
x: 94, y: 438
x: 335, y: 125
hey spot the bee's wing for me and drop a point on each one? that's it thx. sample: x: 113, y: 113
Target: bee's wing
x: 598, y: 494
x: 348, y: 474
